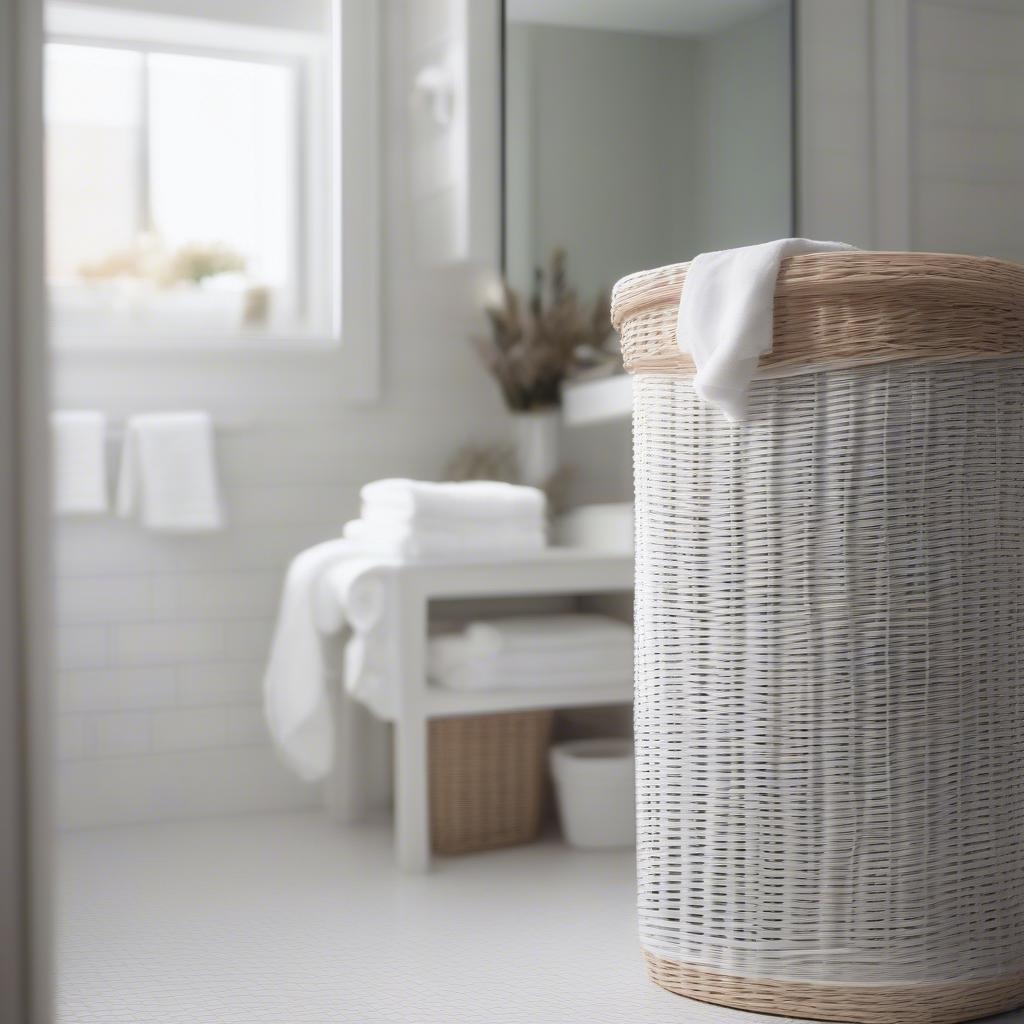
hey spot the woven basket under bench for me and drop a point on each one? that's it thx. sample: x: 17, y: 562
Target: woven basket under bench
x: 487, y: 779
x: 830, y: 641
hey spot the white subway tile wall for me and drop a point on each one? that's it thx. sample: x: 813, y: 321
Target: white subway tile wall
x: 967, y: 110
x: 162, y: 639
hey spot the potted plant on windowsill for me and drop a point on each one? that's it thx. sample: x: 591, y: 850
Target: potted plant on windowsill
x: 532, y: 351
x: 195, y: 287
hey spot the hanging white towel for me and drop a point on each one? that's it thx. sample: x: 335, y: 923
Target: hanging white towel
x: 725, y: 316
x: 79, y: 462
x: 354, y: 592
x: 168, y: 473
x: 327, y: 587
x: 294, y: 684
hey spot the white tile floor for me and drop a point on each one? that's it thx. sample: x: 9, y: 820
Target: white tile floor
x: 288, y: 919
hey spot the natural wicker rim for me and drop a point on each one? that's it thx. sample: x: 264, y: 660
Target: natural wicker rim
x: 846, y: 309
x: 939, y: 1003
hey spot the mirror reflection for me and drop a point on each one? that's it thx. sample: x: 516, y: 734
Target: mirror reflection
x: 642, y: 133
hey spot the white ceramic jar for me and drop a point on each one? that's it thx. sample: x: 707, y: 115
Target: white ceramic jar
x: 595, y: 790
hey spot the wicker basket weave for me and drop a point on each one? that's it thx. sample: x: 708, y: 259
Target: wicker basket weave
x: 487, y: 780
x: 829, y: 611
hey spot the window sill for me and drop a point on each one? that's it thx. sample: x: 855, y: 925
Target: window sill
x: 194, y: 344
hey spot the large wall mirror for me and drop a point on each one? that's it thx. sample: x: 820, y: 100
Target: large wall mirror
x: 643, y: 132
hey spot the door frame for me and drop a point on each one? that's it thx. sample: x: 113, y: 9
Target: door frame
x: 26, y: 990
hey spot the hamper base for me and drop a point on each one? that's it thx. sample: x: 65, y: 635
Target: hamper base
x: 945, y: 1003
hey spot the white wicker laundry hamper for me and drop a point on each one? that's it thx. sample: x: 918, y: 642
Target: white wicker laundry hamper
x: 830, y: 643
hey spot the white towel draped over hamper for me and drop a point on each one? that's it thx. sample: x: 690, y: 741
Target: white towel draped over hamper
x: 829, y: 638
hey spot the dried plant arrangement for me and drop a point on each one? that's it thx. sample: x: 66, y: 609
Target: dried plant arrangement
x: 532, y: 351
x: 498, y: 462
x: 483, y: 462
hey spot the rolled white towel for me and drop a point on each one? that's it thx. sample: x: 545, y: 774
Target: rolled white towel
x: 420, y: 501
x: 350, y: 592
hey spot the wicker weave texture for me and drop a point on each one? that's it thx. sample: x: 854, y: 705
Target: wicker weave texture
x: 829, y: 710
x: 846, y: 309
x: 487, y: 779
x: 946, y: 1003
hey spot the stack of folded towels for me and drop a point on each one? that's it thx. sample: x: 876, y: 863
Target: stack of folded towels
x: 414, y: 519
x: 533, y: 651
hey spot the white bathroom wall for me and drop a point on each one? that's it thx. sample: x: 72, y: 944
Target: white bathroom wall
x: 162, y: 639
x: 835, y: 174
x: 743, y: 176
x: 966, y: 102
x: 911, y: 132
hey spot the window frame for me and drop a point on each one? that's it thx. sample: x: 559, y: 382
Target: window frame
x: 304, y: 242
x: 350, y: 152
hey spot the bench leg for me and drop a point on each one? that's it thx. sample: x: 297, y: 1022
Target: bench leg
x: 412, y: 812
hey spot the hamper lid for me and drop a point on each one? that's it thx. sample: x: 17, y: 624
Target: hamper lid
x: 845, y: 309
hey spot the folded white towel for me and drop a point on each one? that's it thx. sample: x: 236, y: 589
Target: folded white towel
x: 476, y: 677
x: 533, y: 651
x: 168, y: 475
x: 79, y: 462
x: 456, y: 652
x: 725, y: 316
x: 419, y: 501
x: 548, y: 632
x: 466, y: 542
x: 392, y: 519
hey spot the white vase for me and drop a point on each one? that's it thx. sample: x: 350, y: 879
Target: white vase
x: 537, y: 445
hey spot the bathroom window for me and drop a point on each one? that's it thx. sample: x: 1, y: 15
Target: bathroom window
x: 192, y: 174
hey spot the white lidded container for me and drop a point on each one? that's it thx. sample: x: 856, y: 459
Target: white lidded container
x: 829, y: 613
x: 595, y: 790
